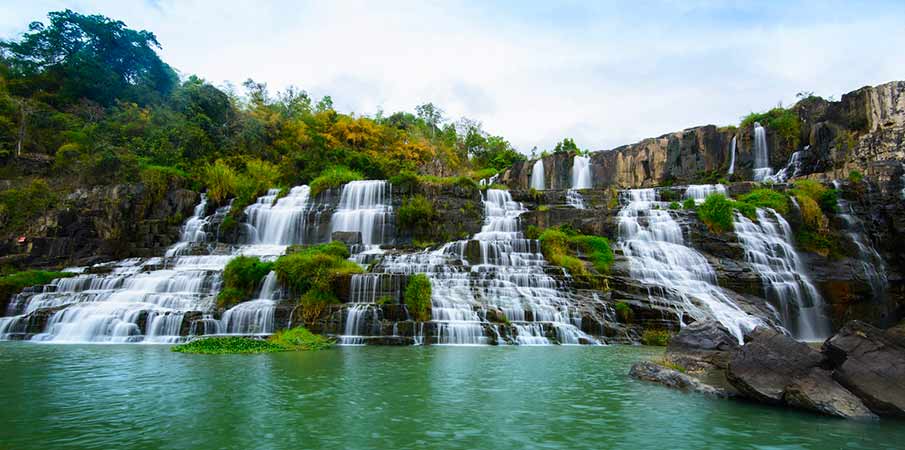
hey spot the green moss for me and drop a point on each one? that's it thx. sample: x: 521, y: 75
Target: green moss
x: 333, y: 177
x: 655, y: 337
x: 417, y: 214
x: 20, y: 206
x: 240, y: 279
x: 300, y: 339
x: 417, y: 297
x: 310, y: 272
x: 689, y: 204
x: 766, y: 198
x: 543, y: 208
x: 405, y: 180
x: 561, y: 245
x: 624, y: 312
x: 13, y: 283
x: 675, y: 205
x: 855, y: 176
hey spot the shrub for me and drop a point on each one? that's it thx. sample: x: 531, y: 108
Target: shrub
x: 229, y: 297
x: 405, y: 180
x: 655, y: 337
x: 674, y: 205
x: 240, y: 279
x: 333, y: 177
x: 227, y: 345
x: 716, y: 212
x: 532, y: 232
x: 811, y: 215
x: 597, y: 249
x: 19, y: 206
x: 158, y: 179
x: 220, y: 181
x: 416, y: 213
x: 560, y: 245
x: 766, y: 198
x: 855, y: 176
x: 418, y: 297
x: 259, y: 176
x: 829, y: 201
x: 689, y: 203
x: 310, y: 273
x: 624, y: 312
x: 299, y: 338
x: 783, y: 121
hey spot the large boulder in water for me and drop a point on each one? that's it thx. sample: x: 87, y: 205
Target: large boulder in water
x: 871, y: 364
x: 763, y: 367
x: 649, y: 371
x: 702, y: 344
x: 817, y: 391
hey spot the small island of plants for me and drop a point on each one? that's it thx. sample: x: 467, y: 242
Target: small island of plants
x: 294, y: 339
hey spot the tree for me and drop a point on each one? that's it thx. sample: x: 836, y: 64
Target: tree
x: 88, y: 56
x: 565, y: 146
x: 431, y: 115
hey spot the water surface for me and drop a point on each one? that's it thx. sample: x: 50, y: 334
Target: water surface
x: 145, y: 396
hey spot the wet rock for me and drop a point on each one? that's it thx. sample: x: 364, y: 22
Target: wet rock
x: 347, y: 237
x: 763, y: 367
x: 870, y: 363
x: 649, y: 371
x: 817, y: 391
x: 701, y: 345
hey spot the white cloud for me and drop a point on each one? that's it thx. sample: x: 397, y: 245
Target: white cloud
x: 533, y: 73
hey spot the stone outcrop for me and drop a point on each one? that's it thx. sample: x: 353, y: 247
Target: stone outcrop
x: 649, y: 371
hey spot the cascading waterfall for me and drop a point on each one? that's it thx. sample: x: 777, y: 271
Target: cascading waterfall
x: 537, y: 175
x: 192, y: 231
x: 762, y: 168
x: 507, y: 277
x: 679, y: 276
x: 281, y: 221
x: 700, y: 192
x: 871, y: 262
x: 769, y: 250
x: 365, y: 207
x: 791, y: 170
x: 581, y: 179
x: 254, y: 316
x: 732, y: 156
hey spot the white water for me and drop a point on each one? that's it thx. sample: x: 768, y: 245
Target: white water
x: 769, y: 250
x: 192, y: 230
x: 679, y: 277
x: 279, y: 222
x: 508, y: 276
x: 574, y: 199
x: 581, y: 179
x: 254, y: 316
x: 537, y: 175
x: 871, y: 262
x: 700, y: 192
x: 791, y: 170
x: 762, y: 168
x: 365, y: 207
x: 732, y: 156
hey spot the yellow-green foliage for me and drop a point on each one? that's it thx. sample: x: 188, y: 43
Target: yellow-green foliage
x: 333, y: 177
x: 12, y: 283
x: 561, y: 246
x: 764, y: 198
x: 416, y: 213
x: 240, y: 278
x: 813, y: 199
x: 655, y: 337
x: 220, y: 180
x: 158, y: 179
x: 418, y: 297
x: 300, y: 339
x: 624, y: 312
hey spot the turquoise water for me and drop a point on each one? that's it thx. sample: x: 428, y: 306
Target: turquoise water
x: 135, y: 396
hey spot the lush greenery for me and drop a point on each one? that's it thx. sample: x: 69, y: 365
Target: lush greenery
x: 295, y: 339
x: 763, y: 198
x: 241, y: 277
x: 815, y: 201
x: 14, y: 282
x: 783, y: 121
x: 310, y: 274
x: 717, y: 213
x: 624, y: 312
x: 228, y: 345
x: 91, y: 102
x: 563, y: 246
x: 416, y: 214
x: 417, y: 297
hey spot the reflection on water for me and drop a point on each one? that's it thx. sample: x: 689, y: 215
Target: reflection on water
x: 372, y: 397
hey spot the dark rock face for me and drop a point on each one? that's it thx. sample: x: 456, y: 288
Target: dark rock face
x: 763, y: 367
x: 648, y: 371
x: 817, y: 391
x: 871, y: 364
x: 701, y: 344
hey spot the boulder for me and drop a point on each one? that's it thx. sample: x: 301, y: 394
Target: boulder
x: 818, y: 392
x: 702, y: 345
x: 870, y: 363
x: 763, y: 367
x: 649, y: 371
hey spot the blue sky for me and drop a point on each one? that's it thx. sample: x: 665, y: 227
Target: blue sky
x: 605, y: 73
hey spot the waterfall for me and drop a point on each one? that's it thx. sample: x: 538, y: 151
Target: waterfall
x: 255, y: 316
x: 769, y: 250
x: 537, y: 175
x: 871, y: 262
x: 581, y: 172
x: 358, y: 316
x: 700, y: 192
x: 679, y: 276
x: 791, y: 170
x: 279, y: 222
x: 732, y: 156
x: 497, y: 270
x: 762, y: 168
x: 192, y: 230
x: 365, y: 207
x: 581, y: 179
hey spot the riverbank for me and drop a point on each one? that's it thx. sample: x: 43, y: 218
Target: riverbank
x: 145, y: 396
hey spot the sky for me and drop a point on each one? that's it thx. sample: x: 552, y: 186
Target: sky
x: 603, y: 73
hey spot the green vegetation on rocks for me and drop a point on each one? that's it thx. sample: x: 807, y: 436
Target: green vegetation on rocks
x: 562, y: 246
x: 418, y: 297
x: 295, y: 339
x: 655, y: 337
x: 309, y: 272
x: 717, y: 213
x: 12, y: 283
x: 333, y: 177
x: 783, y: 121
x: 240, y: 279
x: 416, y: 214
